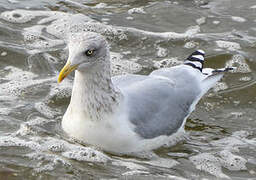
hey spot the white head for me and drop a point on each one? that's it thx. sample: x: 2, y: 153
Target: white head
x: 86, y: 50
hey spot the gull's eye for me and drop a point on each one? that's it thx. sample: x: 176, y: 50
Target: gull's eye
x: 89, y: 52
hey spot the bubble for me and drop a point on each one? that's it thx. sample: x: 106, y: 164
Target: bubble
x: 17, y: 16
x: 245, y: 79
x: 209, y: 163
x: 231, y: 46
x: 239, y: 62
x: 220, y: 86
x: 8, y: 141
x: 65, y: 27
x: 191, y: 44
x: 58, y: 24
x: 161, y: 52
x: 86, y: 154
x: 236, y: 114
x: 22, y: 83
x: 60, y: 92
x: 225, y: 157
x: 136, y: 11
x: 120, y: 66
x: 167, y: 63
x: 231, y: 161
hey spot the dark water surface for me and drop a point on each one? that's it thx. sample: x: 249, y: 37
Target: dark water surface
x: 144, y: 35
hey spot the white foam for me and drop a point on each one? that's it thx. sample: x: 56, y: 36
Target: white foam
x: 201, y: 21
x: 191, y: 44
x: 232, y: 46
x: 216, y: 22
x: 21, y: 83
x: 176, y: 178
x: 177, y: 154
x: 231, y: 161
x: 8, y: 141
x: 136, y: 11
x: 209, y: 163
x: 31, y: 127
x: 192, y: 30
x: 121, y: 66
x: 129, y: 18
x: 245, y: 78
x: 167, y: 63
x: 58, y: 24
x: 226, y: 155
x: 135, y: 172
x: 59, y: 92
x: 100, y: 6
x: 17, y: 16
x: 236, y: 114
x: 238, y: 19
x: 4, y: 53
x: 18, y: 74
x: 220, y: 86
x: 161, y: 52
x: 239, y: 62
x: 67, y: 25
x: 46, y: 111
x: 162, y: 162
x: 236, y: 140
x: 86, y: 154
x: 129, y: 165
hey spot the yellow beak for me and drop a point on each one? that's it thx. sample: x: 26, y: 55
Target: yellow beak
x: 66, y: 70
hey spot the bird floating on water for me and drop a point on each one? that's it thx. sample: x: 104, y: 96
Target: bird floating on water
x: 129, y: 113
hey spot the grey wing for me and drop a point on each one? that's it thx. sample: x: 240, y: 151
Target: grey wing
x: 158, y: 106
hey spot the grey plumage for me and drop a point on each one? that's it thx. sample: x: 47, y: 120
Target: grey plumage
x: 158, y: 106
x: 130, y: 113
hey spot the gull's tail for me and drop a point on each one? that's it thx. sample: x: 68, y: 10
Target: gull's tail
x: 211, y: 76
x: 196, y: 60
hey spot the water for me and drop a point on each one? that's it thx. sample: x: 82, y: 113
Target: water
x: 144, y: 35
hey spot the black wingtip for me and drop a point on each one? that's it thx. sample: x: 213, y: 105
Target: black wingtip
x: 196, y: 60
x: 198, y: 52
x: 224, y: 69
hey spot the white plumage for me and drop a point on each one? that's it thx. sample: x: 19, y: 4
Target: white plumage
x: 129, y: 113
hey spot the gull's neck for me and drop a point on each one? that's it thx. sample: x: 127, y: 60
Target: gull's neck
x: 93, y: 92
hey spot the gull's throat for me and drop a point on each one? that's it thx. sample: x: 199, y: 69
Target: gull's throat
x: 93, y: 93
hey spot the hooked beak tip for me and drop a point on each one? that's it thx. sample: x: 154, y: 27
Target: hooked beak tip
x: 66, y: 70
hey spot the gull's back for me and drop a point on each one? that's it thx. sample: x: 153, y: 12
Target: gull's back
x: 159, y: 104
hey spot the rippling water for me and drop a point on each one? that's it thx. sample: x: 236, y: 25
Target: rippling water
x: 144, y: 35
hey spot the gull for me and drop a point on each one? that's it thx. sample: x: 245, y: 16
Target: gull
x: 129, y: 113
